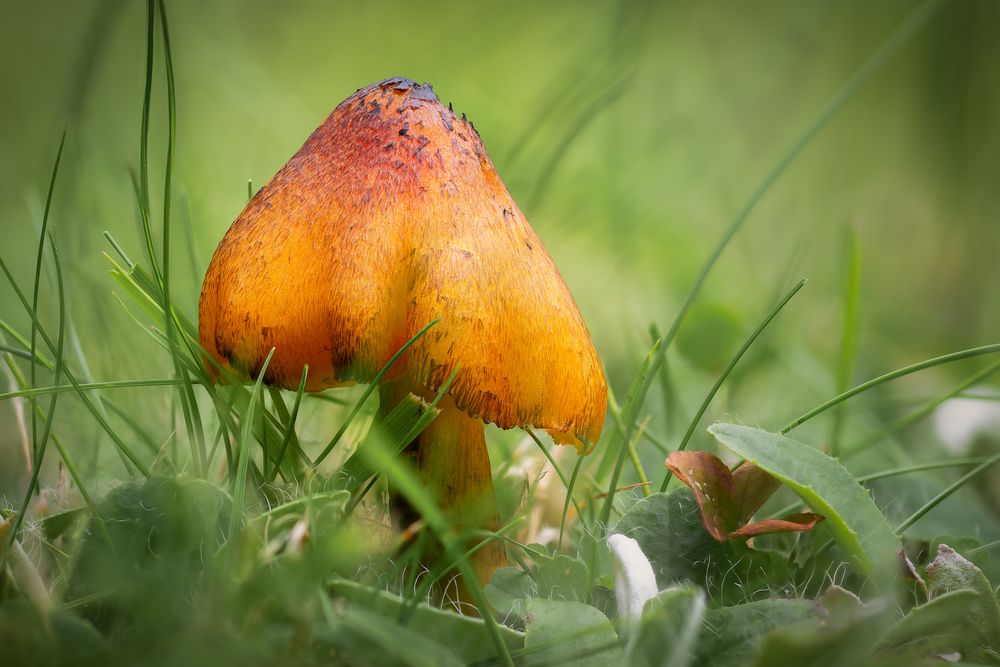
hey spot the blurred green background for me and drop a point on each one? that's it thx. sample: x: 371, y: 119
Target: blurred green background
x: 630, y: 133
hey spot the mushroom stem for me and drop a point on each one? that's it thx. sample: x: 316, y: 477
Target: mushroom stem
x: 453, y: 464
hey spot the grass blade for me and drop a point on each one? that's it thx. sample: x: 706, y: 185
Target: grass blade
x: 39, y: 453
x: 290, y: 430
x: 848, y: 332
x: 368, y: 392
x: 633, y: 454
x: 243, y: 456
x: 923, y: 410
x: 90, y: 386
x: 145, y: 208
x: 42, y: 235
x: 631, y: 407
x: 123, y: 448
x: 189, y: 407
x: 586, y: 116
x: 398, y: 430
x: 725, y: 373
x: 558, y: 471
x: 888, y: 377
x: 936, y: 500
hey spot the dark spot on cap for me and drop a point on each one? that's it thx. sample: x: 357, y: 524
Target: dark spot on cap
x: 403, y: 130
x: 446, y: 121
x: 423, y: 142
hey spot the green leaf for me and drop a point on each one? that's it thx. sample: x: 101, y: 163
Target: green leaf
x: 160, y: 532
x: 507, y: 591
x: 813, y: 645
x: 380, y: 640
x: 59, y: 638
x: 56, y: 524
x: 562, y: 577
x: 669, y: 531
x: 569, y: 633
x: 931, y: 628
x: 949, y: 572
x: 669, y: 630
x: 558, y: 577
x: 466, y: 636
x: 732, y: 635
x: 827, y: 487
x: 844, y: 636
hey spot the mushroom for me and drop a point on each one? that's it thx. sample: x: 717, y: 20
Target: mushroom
x: 390, y: 216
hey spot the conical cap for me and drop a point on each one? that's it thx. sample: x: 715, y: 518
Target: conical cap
x: 390, y: 216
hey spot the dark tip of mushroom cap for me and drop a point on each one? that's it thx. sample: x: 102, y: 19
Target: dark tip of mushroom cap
x: 415, y: 93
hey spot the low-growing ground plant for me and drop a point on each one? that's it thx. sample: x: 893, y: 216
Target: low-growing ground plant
x: 231, y: 537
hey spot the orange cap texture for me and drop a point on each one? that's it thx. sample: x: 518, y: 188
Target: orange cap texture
x: 390, y: 216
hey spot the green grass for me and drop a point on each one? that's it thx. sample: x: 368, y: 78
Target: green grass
x: 215, y: 522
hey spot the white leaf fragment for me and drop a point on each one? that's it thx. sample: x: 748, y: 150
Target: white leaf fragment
x: 635, y: 582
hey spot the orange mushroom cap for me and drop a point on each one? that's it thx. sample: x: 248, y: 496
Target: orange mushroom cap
x: 391, y: 215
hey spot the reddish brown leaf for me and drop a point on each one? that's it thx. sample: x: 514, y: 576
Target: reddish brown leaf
x: 793, y: 523
x: 712, y: 483
x: 728, y: 500
x: 751, y: 489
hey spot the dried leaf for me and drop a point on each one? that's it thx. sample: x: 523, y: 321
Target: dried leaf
x: 728, y: 500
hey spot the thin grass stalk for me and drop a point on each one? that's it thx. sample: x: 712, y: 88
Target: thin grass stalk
x: 368, y: 392
x: 888, y: 377
x: 848, y: 333
x: 39, y: 453
x: 633, y: 454
x: 569, y: 495
x: 42, y: 235
x: 63, y: 452
x: 243, y: 455
x: 143, y: 185
x: 188, y: 403
x: 71, y: 377
x: 923, y: 410
x: 729, y: 368
x: 555, y: 467
x: 936, y: 500
x: 290, y: 430
x: 89, y: 386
